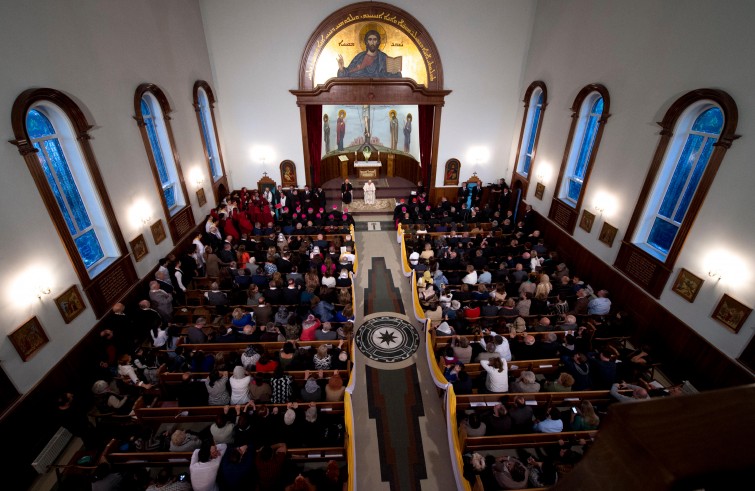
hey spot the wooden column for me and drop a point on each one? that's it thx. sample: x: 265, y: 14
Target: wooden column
x: 390, y: 165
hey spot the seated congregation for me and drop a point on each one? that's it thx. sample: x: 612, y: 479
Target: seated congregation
x: 231, y: 369
x: 534, y: 354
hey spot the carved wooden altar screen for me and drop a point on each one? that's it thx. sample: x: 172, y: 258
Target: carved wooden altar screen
x: 407, y: 71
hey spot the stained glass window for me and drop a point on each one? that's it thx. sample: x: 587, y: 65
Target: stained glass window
x: 63, y: 184
x: 167, y: 183
x: 673, y: 199
x: 587, y: 142
x: 534, y: 113
x: 207, y: 126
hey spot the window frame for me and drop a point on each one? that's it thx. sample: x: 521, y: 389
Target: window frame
x: 535, y: 88
x: 645, y: 269
x: 180, y: 218
x: 201, y: 85
x: 72, y: 129
x: 683, y: 130
x: 565, y: 211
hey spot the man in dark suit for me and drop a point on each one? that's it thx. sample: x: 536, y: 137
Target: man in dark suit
x: 346, y: 192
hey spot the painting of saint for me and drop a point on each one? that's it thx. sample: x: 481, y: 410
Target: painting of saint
x: 394, y: 129
x: 326, y: 132
x: 288, y: 173
x: 407, y: 132
x: 340, y: 129
x: 370, y: 63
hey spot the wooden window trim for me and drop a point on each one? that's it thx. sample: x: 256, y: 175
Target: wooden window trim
x: 630, y: 255
x: 562, y: 213
x: 81, y: 128
x: 120, y: 273
x: 201, y: 84
x: 182, y: 221
x: 516, y: 176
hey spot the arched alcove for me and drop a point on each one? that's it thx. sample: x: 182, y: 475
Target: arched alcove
x: 402, y: 88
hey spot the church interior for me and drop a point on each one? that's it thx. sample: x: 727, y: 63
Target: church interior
x: 579, y: 105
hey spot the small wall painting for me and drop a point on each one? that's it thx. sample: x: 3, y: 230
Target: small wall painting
x: 539, y: 190
x: 139, y: 248
x: 29, y: 338
x: 288, y: 174
x: 687, y: 285
x: 608, y: 234
x: 70, y: 304
x: 731, y: 313
x: 158, y: 231
x: 588, y: 219
x: 451, y: 176
x: 201, y: 198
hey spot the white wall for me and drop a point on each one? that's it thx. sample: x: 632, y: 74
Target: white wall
x: 256, y: 47
x: 98, y: 53
x: 648, y: 53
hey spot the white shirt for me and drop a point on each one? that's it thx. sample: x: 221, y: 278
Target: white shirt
x: 496, y: 381
x: 240, y: 389
x: 200, y: 252
x: 204, y: 474
x: 503, y: 349
x: 329, y: 281
x: 470, y: 278
x: 161, y: 338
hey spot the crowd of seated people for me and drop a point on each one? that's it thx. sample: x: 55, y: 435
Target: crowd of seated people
x: 264, y: 273
x: 499, y: 297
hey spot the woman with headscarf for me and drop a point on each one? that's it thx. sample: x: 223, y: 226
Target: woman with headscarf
x: 311, y: 392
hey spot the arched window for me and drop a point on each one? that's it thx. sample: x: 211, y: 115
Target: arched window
x: 204, y: 103
x: 52, y: 134
x: 589, y: 114
x: 697, y: 130
x: 679, y: 177
x: 90, y: 232
x: 580, y: 155
x: 535, y: 101
x: 153, y: 117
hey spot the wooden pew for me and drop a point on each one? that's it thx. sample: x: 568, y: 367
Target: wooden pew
x: 171, y: 413
x: 544, y: 366
x: 298, y: 375
x: 530, y: 440
x: 152, y: 459
x: 270, y: 346
x: 564, y: 399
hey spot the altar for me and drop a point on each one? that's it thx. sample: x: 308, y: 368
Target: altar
x: 368, y: 169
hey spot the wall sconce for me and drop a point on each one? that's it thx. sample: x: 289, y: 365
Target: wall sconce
x: 479, y: 155
x: 146, y: 219
x: 604, y: 203
x: 200, y: 182
x: 540, y: 178
x: 714, y: 273
x: 42, y: 290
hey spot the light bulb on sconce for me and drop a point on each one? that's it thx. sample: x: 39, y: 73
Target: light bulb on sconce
x: 42, y: 290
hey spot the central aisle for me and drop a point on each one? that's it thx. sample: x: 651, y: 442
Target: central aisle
x: 399, y: 426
